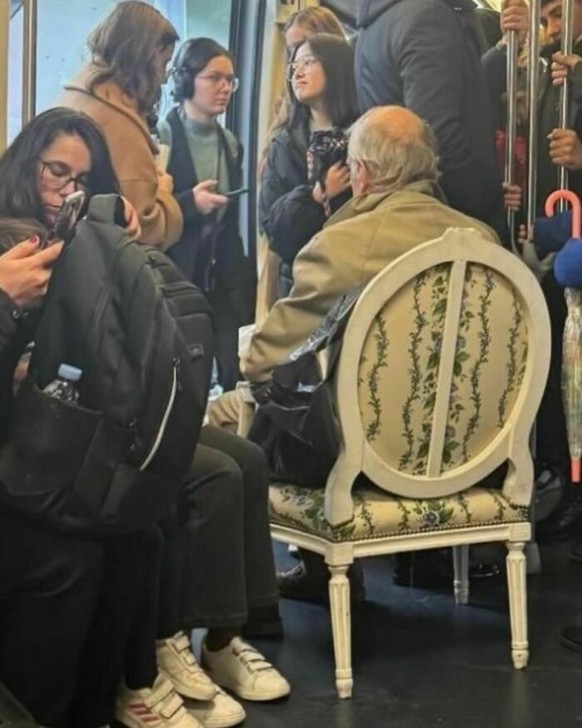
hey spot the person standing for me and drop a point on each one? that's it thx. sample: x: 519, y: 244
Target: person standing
x: 424, y: 55
x: 205, y: 162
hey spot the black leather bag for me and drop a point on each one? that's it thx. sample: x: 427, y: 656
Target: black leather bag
x: 297, y: 426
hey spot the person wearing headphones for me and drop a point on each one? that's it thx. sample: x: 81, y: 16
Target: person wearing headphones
x: 205, y: 162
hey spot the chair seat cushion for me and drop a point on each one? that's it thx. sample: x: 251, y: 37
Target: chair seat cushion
x: 378, y: 514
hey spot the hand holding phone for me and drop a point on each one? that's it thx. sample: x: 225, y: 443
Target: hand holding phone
x: 67, y: 217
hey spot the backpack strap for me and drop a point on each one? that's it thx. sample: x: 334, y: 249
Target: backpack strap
x: 107, y: 209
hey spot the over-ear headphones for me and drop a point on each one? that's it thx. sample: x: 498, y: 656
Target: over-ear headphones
x: 193, y: 56
x: 182, y: 74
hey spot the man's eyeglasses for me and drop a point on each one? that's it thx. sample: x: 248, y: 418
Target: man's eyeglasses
x: 217, y: 78
x: 58, y: 175
x: 305, y: 64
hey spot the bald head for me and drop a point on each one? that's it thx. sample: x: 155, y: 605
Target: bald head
x: 396, y: 148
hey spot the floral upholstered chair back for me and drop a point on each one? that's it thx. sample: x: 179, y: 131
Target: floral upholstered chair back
x: 448, y: 375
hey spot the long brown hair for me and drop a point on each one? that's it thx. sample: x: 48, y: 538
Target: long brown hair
x: 125, y: 47
x: 313, y: 20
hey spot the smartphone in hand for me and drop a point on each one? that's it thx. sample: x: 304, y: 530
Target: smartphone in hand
x: 67, y: 217
x: 235, y: 193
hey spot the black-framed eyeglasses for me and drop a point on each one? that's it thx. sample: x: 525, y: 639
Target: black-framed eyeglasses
x: 58, y: 175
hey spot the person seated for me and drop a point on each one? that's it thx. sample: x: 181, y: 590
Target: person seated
x: 396, y: 205
x: 92, y: 602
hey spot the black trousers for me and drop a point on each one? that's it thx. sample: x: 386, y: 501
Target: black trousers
x: 121, y: 642
x: 49, y: 586
x: 230, y: 566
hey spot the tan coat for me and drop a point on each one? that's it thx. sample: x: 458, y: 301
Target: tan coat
x: 361, y: 239
x: 132, y: 154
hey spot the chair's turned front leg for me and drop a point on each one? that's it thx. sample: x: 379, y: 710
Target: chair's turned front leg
x: 516, y: 581
x: 339, y: 601
x: 461, y: 569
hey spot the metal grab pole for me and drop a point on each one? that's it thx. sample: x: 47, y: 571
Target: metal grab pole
x: 567, y: 43
x: 29, y: 60
x: 533, y: 83
x: 511, y: 127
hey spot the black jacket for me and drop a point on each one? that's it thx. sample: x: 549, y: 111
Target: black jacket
x: 494, y: 66
x: 424, y: 54
x: 13, y: 338
x: 288, y: 214
x: 189, y: 253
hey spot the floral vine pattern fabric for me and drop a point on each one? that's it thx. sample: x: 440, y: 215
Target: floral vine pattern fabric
x: 399, y: 368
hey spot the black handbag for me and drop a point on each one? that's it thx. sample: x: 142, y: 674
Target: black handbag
x: 297, y: 427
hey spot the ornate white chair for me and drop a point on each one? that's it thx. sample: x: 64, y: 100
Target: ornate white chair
x: 442, y: 369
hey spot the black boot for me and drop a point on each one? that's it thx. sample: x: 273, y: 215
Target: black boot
x: 308, y: 580
x: 565, y: 520
x: 434, y: 568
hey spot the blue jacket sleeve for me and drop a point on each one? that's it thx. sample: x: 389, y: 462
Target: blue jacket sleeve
x: 288, y: 213
x: 568, y: 264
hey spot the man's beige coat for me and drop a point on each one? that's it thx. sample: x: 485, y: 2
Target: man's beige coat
x: 361, y: 239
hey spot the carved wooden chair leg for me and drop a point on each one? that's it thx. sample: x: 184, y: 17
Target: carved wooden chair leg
x: 516, y: 581
x: 461, y: 569
x: 339, y: 601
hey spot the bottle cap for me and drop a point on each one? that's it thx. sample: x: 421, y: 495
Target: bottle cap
x: 66, y: 371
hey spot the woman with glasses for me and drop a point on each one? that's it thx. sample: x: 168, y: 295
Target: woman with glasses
x: 205, y: 162
x: 119, y: 89
x: 295, y: 200
x: 77, y: 614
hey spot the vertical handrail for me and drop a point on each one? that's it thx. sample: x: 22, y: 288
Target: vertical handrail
x: 567, y: 43
x: 511, y: 127
x: 4, y: 28
x: 29, y: 60
x: 533, y: 83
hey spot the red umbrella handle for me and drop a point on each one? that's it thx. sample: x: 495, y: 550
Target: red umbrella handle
x: 574, y: 201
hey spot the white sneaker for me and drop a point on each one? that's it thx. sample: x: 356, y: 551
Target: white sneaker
x: 176, y: 661
x: 221, y: 712
x: 244, y: 671
x: 156, y: 707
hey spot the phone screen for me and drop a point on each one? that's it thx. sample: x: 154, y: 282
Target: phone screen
x: 67, y: 217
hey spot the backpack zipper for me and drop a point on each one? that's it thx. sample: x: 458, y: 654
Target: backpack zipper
x: 169, y: 405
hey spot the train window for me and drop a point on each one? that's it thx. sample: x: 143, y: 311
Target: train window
x: 214, y: 22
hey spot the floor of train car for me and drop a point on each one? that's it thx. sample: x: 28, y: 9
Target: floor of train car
x: 421, y: 662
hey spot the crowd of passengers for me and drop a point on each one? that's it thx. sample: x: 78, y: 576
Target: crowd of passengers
x: 95, y: 630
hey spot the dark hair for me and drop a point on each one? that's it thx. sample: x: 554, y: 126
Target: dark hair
x: 19, y: 195
x: 336, y: 56
x: 124, y: 48
x: 192, y: 58
x: 15, y: 229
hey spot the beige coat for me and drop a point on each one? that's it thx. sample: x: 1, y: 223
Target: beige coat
x: 132, y: 154
x: 361, y: 239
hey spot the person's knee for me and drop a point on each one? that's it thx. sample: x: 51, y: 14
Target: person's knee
x: 255, y: 466
x: 224, y: 411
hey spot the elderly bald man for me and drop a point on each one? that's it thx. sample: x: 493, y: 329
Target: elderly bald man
x: 396, y: 206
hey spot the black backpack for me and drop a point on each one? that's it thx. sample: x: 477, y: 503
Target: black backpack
x: 142, y: 336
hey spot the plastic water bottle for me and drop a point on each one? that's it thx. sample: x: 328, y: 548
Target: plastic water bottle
x: 64, y: 386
